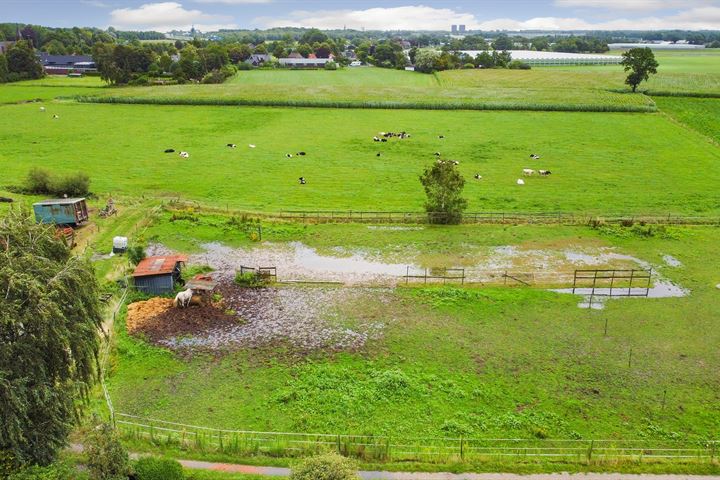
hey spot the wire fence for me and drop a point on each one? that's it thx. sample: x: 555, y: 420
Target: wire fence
x: 542, y: 218
x: 420, y: 449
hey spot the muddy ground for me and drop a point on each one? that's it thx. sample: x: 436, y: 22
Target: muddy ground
x: 303, y: 318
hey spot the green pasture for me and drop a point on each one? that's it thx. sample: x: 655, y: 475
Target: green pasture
x: 344, y: 77
x: 700, y: 114
x: 504, y: 363
x: 601, y: 163
x: 49, y: 88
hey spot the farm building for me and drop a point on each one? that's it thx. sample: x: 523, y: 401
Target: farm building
x: 64, y: 64
x: 158, y: 275
x: 304, y: 62
x: 62, y: 211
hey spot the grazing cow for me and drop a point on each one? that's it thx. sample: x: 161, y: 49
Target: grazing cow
x: 251, y: 146
x: 183, y: 299
x: 55, y: 116
x: 184, y: 154
x: 300, y: 153
x: 301, y: 180
x: 528, y: 171
x: 383, y: 139
x: 455, y: 162
x: 441, y: 137
x: 477, y: 176
x: 42, y: 109
x: 520, y: 181
x: 544, y: 173
x: 169, y: 150
x: 378, y: 154
x: 534, y: 156
x: 376, y: 139
x: 231, y: 145
x: 288, y: 155
x: 437, y: 154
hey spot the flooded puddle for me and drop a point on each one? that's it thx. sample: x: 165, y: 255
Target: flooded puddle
x: 671, y: 261
x: 660, y: 288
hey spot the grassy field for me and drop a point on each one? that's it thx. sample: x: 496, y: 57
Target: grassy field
x: 601, y: 163
x: 504, y: 363
x: 344, y: 77
x: 700, y: 114
x: 49, y: 88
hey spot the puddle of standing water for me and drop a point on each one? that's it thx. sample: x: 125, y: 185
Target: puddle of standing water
x: 671, y: 261
x: 660, y: 288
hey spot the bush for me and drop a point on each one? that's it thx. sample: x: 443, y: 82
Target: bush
x: 76, y: 185
x: 136, y: 254
x: 140, y: 81
x: 244, y: 66
x: 468, y: 66
x: 331, y: 66
x: 41, y: 181
x: 518, y: 65
x: 329, y: 466
x: 154, y: 468
x: 250, y: 279
x: 107, y: 459
x: 56, y: 471
x: 38, y: 180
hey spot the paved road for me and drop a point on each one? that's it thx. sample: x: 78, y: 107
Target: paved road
x: 284, y: 472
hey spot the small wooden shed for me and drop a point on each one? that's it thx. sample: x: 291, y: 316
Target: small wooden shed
x: 158, y: 275
x: 62, y: 211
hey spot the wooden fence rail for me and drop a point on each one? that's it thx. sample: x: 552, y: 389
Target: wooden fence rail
x: 386, y: 448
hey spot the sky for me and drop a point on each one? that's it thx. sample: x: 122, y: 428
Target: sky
x: 210, y: 15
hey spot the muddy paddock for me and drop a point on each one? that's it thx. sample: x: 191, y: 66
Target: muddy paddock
x: 303, y: 318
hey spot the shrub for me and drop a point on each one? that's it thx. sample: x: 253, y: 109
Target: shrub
x: 329, y: 466
x: 468, y: 66
x: 154, y: 468
x: 140, y: 81
x: 331, y: 66
x: 56, y: 471
x: 518, y: 65
x: 136, y: 254
x: 38, y: 180
x: 75, y: 185
x: 42, y: 181
x: 107, y: 459
x: 249, y: 279
x: 244, y: 66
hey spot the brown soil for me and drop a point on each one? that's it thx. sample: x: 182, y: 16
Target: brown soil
x: 171, y: 321
x: 141, y: 313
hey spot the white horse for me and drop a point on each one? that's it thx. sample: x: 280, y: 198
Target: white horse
x: 182, y: 299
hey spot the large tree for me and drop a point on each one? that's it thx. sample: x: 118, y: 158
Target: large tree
x: 640, y: 62
x: 23, y: 63
x: 49, y: 319
x: 443, y: 185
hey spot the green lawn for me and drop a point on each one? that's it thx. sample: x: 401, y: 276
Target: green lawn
x: 700, y: 114
x: 504, y: 363
x: 601, y: 162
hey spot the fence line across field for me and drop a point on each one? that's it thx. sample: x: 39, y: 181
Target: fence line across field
x: 386, y: 447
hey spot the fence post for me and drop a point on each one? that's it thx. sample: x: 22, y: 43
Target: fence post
x: 462, y: 448
x: 590, y: 450
x: 337, y: 440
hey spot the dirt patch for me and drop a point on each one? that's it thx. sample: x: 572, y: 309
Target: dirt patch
x: 139, y: 314
x: 185, y: 322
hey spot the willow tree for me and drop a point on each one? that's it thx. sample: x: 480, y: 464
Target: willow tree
x: 443, y: 185
x: 49, y: 319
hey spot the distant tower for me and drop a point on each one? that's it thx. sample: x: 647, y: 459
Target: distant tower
x: 453, y: 28
x: 462, y: 28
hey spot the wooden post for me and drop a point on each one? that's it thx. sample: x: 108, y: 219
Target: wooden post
x: 462, y: 448
x: 630, y: 358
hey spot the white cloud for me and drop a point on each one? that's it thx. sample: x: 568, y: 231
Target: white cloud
x: 428, y: 18
x: 95, y: 3
x: 418, y: 17
x: 166, y: 16
x: 639, y: 5
x: 234, y: 2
